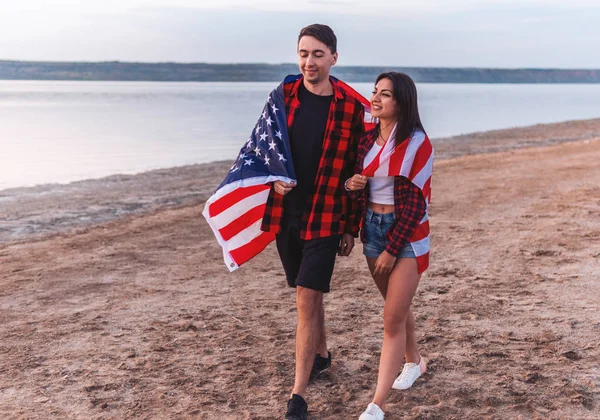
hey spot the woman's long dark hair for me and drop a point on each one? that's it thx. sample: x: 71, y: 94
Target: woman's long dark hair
x: 405, y: 94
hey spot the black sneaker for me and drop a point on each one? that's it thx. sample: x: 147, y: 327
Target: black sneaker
x: 320, y: 365
x: 297, y: 409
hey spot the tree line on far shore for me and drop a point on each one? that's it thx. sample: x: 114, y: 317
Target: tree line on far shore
x: 207, y: 72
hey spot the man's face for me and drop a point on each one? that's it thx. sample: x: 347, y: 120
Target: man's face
x: 314, y: 59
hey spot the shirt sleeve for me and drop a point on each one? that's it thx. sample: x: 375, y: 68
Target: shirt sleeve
x: 354, y: 195
x: 410, y: 210
x: 354, y: 213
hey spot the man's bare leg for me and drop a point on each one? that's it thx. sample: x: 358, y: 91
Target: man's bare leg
x: 308, y: 334
x: 322, y: 349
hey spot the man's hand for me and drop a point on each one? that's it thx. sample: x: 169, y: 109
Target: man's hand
x: 357, y: 182
x: 283, y: 187
x: 346, y: 245
x: 384, y: 264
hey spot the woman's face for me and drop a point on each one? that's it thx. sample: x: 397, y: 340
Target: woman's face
x: 383, y: 104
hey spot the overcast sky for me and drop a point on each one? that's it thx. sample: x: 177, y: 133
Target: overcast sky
x: 453, y: 33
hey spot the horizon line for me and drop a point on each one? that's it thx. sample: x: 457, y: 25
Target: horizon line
x: 290, y: 64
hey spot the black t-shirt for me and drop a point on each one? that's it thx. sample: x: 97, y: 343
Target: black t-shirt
x: 306, y: 141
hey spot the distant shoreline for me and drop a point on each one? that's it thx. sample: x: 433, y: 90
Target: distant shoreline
x: 259, y: 72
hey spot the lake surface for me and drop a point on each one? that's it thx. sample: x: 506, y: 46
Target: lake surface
x: 68, y: 131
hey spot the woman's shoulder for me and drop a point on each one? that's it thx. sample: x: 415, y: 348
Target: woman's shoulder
x: 421, y: 145
x: 420, y: 137
x: 418, y: 134
x: 367, y: 135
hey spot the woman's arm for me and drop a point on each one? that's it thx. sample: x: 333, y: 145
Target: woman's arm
x: 413, y: 208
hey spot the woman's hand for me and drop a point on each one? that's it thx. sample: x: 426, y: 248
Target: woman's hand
x: 384, y: 264
x: 283, y: 187
x: 357, y: 182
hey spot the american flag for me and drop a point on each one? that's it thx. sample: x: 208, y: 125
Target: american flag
x: 412, y: 159
x: 235, y: 210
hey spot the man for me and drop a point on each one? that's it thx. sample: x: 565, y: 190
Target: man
x: 315, y: 220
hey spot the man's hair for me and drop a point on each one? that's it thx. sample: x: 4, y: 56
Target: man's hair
x: 323, y: 33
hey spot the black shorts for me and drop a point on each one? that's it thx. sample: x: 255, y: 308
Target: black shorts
x: 307, y: 263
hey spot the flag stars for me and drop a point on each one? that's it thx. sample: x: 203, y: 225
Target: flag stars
x: 267, y: 159
x: 279, y: 135
x: 281, y: 158
x: 257, y: 151
x: 264, y: 115
x: 269, y: 121
x: 263, y: 136
x: 248, y: 162
x: 274, y: 108
x: 272, y: 145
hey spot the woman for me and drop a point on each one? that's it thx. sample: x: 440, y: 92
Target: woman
x: 393, y: 184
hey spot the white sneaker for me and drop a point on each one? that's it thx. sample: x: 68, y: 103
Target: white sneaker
x: 410, y: 373
x: 373, y: 412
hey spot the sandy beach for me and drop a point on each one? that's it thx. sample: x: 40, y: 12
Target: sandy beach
x: 115, y: 302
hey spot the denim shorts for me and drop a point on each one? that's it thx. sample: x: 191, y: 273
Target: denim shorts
x: 375, y: 226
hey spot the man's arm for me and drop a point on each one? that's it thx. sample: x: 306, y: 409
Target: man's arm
x: 353, y: 212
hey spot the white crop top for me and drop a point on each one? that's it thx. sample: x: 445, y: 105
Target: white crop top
x: 381, y: 189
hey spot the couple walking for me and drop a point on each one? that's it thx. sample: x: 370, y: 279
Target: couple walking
x: 351, y: 177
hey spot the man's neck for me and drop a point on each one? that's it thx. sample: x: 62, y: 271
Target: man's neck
x: 323, y: 88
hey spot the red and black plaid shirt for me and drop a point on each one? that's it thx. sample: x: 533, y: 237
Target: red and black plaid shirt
x: 409, y: 204
x: 332, y: 212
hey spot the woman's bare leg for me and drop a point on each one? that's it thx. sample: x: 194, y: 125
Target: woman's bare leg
x: 412, y: 349
x: 402, y: 285
x: 381, y: 280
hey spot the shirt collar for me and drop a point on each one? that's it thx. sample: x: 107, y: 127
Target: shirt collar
x: 338, y: 93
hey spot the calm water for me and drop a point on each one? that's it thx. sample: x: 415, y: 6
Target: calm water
x: 67, y: 131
